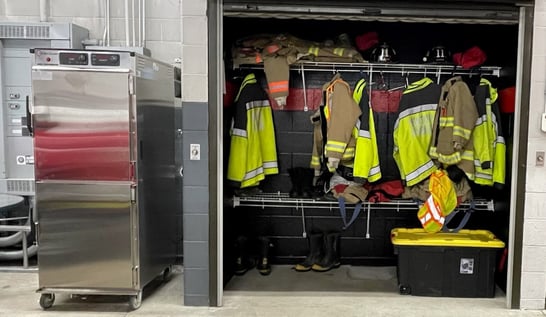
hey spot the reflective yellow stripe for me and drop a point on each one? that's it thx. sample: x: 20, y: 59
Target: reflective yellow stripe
x: 313, y: 50
x: 339, y: 51
x: 249, y: 79
x: 468, y: 156
x: 326, y: 113
x: 348, y: 155
x: 418, y: 85
x: 334, y: 146
x: 446, y: 121
x: 462, y: 132
x: 357, y: 94
x: 446, y: 159
x: 315, y: 160
x: 492, y: 91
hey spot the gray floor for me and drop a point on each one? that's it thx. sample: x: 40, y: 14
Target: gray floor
x: 347, y: 291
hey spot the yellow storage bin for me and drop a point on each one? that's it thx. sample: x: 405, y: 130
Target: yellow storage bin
x: 458, y: 264
x: 463, y: 238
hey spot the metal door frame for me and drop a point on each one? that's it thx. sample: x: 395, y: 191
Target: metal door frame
x: 519, y: 156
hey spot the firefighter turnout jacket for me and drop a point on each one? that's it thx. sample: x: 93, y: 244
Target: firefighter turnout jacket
x: 340, y: 113
x: 489, y: 144
x: 454, y: 122
x: 366, y: 161
x: 413, y: 131
x: 253, y: 153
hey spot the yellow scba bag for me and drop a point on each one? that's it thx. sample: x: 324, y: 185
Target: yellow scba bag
x: 441, y: 202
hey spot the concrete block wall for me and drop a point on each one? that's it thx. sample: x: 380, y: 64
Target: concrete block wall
x: 163, y: 28
x: 533, y: 277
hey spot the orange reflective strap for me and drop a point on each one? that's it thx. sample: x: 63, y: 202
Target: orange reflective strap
x: 259, y: 58
x: 272, y: 48
x: 278, y: 86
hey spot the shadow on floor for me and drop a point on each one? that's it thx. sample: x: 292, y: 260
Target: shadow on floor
x: 343, y: 279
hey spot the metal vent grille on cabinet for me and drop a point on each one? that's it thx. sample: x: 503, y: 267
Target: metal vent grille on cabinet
x: 20, y: 186
x: 10, y: 31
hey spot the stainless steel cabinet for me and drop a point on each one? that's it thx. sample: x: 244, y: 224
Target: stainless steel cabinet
x: 104, y: 137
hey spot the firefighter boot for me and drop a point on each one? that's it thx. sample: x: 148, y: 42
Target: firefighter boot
x: 306, y: 182
x: 316, y: 245
x: 295, y: 179
x: 264, y: 266
x: 242, y: 263
x: 331, y: 254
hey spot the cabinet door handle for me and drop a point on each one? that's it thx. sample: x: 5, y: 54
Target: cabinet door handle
x: 29, y: 117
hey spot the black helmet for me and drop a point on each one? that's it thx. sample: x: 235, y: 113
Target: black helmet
x: 383, y: 54
x: 437, y: 55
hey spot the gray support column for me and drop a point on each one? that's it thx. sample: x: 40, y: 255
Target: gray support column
x: 216, y: 180
x: 196, y: 204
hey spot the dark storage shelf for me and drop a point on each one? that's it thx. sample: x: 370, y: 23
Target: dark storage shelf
x: 431, y: 69
x: 283, y: 200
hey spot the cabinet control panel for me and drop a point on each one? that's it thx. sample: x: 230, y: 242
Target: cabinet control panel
x: 105, y: 59
x: 83, y: 59
x: 66, y: 58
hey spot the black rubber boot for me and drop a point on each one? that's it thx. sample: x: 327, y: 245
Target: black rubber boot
x: 242, y: 263
x: 264, y: 266
x: 316, y: 245
x: 331, y: 254
x: 294, y: 178
x: 306, y: 182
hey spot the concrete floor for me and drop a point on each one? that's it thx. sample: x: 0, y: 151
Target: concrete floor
x: 242, y: 298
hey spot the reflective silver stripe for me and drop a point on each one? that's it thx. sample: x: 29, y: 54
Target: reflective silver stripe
x: 435, y: 212
x: 484, y: 176
x: 239, y: 132
x: 495, y: 123
x: 270, y: 165
x: 420, y: 170
x: 357, y: 125
x: 481, y: 119
x: 364, y: 134
x: 257, y: 104
x: 253, y: 173
x: 500, y: 139
x: 374, y: 171
x: 414, y: 110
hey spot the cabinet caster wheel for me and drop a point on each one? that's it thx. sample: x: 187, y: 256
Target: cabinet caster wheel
x: 166, y: 274
x: 135, y: 301
x: 47, y: 300
x: 404, y: 290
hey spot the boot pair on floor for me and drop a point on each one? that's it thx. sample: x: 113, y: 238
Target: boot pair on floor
x: 245, y: 262
x: 302, y: 182
x: 323, y: 253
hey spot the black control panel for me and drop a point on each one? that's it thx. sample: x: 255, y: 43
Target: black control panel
x: 105, y: 59
x: 73, y: 58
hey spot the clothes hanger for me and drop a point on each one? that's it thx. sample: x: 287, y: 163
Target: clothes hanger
x: 403, y: 86
x: 381, y: 84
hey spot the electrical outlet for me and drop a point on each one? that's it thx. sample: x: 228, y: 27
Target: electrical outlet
x: 195, y: 152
